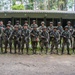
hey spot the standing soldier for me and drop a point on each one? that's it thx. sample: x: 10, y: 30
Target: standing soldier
x: 1, y: 39
x: 34, y: 38
x: 16, y: 38
x: 44, y: 39
x: 70, y: 28
x: 7, y: 33
x: 50, y: 29
x: 73, y: 35
x: 33, y: 24
x: 19, y: 25
x: 26, y: 22
x: 65, y: 36
x: 25, y: 38
x: 41, y: 27
x: 2, y: 24
x: 9, y: 22
x: 55, y: 39
x: 60, y: 30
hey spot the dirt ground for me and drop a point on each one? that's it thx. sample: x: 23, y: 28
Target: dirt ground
x: 14, y: 64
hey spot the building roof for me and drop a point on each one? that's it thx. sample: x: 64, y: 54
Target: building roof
x: 37, y: 11
x: 37, y: 14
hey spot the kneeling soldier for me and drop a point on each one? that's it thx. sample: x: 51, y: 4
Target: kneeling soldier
x: 34, y: 38
x: 44, y: 39
x: 25, y: 38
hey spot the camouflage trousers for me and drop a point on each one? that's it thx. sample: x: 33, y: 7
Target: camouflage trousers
x: 34, y: 46
x: 27, y: 46
x: 6, y: 43
x: 73, y: 45
x: 54, y: 44
x: 44, y: 44
x: 17, y: 43
x: 63, y: 45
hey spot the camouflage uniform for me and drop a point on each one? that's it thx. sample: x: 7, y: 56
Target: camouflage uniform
x: 18, y: 24
x: 50, y: 29
x: 34, y: 38
x: 60, y: 30
x: 44, y: 37
x: 16, y: 38
x: 7, y: 33
x: 70, y: 28
x: 9, y: 22
x: 65, y: 36
x: 55, y: 39
x: 41, y: 27
x: 73, y: 35
x: 32, y: 25
x: 1, y: 39
x: 25, y: 38
x: 26, y: 22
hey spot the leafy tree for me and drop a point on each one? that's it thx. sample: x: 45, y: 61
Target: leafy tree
x: 18, y: 7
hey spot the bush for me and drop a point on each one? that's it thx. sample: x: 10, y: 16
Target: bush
x: 18, y: 7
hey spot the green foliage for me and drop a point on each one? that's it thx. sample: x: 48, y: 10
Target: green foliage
x: 18, y: 7
x: 29, y: 6
x: 13, y: 2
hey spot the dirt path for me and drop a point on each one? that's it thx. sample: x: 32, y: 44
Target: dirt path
x: 11, y: 64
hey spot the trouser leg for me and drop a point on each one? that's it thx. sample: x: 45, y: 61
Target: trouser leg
x: 10, y: 44
x: 6, y: 44
x: 27, y: 47
x: 62, y: 48
x: 19, y: 46
x: 15, y: 46
x: 68, y: 48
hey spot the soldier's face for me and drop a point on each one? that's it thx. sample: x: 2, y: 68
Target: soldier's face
x: 42, y: 24
x: 66, y: 29
x: 35, y: 28
x: 44, y: 29
x: 55, y: 29
x: 16, y: 28
x: 69, y: 24
x: 34, y: 22
x: 8, y: 27
x: 51, y: 24
x: 25, y: 27
x: 59, y: 24
x: 2, y: 22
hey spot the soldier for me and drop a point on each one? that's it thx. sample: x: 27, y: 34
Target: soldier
x: 65, y: 36
x: 1, y: 39
x: 16, y: 38
x: 9, y: 22
x: 73, y: 35
x: 70, y: 28
x: 18, y: 24
x: 41, y: 27
x: 55, y: 39
x: 34, y: 38
x: 44, y: 39
x: 34, y: 23
x: 60, y: 30
x: 2, y: 25
x: 26, y: 22
x: 25, y: 38
x: 7, y: 33
x: 50, y: 29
